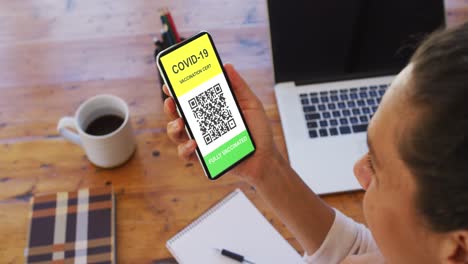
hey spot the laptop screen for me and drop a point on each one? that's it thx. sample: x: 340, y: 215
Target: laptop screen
x: 315, y: 41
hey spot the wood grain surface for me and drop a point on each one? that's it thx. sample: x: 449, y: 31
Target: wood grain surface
x: 56, y: 54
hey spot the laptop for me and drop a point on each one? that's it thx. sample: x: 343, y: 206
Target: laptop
x: 333, y: 61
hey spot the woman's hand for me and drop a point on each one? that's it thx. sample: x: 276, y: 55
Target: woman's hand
x: 255, y: 118
x: 305, y: 214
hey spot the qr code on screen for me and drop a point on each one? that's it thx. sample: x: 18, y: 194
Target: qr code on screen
x: 212, y: 113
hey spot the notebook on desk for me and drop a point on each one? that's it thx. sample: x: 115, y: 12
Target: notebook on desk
x: 234, y: 224
x: 72, y: 227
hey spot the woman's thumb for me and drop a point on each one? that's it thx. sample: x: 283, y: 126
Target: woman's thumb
x: 240, y: 87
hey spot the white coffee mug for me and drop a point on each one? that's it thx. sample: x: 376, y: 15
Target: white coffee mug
x: 104, y: 151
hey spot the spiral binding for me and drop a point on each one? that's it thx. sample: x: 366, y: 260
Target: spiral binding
x: 203, y: 217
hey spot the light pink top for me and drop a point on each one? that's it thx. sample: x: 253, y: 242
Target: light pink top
x: 346, y: 237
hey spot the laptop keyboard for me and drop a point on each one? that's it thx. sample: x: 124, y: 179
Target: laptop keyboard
x: 341, y: 112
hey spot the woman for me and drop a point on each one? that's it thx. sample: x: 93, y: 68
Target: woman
x: 415, y: 173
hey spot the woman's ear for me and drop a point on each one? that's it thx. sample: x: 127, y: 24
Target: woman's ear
x: 455, y: 248
x: 362, y: 172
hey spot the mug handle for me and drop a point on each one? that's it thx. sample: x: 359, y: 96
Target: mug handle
x: 63, y: 128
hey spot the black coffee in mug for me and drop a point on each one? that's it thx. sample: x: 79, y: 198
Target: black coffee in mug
x: 104, y: 125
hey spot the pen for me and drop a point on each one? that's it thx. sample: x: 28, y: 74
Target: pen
x: 169, y: 29
x: 233, y: 256
x: 173, y: 27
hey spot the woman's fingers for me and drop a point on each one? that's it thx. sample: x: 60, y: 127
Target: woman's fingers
x: 166, y: 90
x: 176, y: 131
x: 186, y: 150
x: 241, y: 88
x: 170, y: 108
x: 169, y: 105
x: 175, y: 128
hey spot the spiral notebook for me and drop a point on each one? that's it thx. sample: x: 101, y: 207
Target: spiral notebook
x: 234, y: 224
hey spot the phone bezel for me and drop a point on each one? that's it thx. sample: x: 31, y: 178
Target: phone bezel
x: 181, y: 112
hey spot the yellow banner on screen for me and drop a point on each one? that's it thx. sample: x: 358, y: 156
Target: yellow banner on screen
x: 191, y: 65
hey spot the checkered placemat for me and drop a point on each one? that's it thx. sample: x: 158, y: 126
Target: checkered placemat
x: 72, y: 227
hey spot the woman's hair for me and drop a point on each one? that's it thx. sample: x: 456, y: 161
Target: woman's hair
x: 436, y: 147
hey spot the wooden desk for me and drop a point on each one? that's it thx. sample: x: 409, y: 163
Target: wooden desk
x: 55, y: 54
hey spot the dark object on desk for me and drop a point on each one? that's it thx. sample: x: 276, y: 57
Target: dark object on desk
x: 234, y: 256
x: 72, y: 225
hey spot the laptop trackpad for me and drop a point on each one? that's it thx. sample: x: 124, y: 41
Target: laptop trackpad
x: 361, y: 147
x: 326, y: 165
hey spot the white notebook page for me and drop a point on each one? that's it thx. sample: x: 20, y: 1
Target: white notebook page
x: 234, y: 224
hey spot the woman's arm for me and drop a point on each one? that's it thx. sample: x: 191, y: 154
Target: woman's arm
x: 304, y: 213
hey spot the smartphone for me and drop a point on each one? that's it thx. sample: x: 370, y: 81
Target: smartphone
x: 194, y: 74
